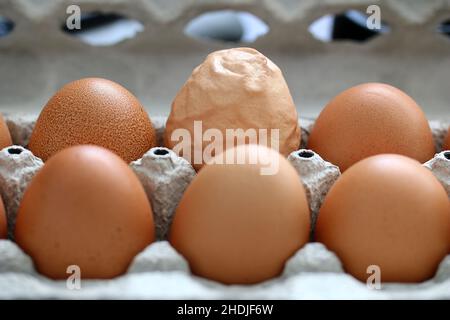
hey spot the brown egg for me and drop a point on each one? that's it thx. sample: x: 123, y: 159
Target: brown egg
x: 85, y: 207
x: 5, y: 137
x: 93, y: 111
x: 370, y: 119
x: 234, y: 89
x: 447, y: 141
x: 236, y: 225
x: 387, y: 211
x: 3, y: 224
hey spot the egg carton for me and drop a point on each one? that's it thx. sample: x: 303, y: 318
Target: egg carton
x: 159, y: 272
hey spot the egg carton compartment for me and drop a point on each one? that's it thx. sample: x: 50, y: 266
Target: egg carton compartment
x: 159, y: 272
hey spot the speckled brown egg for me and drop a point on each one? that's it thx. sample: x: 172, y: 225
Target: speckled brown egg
x: 3, y: 224
x: 387, y: 211
x: 447, y: 141
x: 93, y: 111
x: 236, y: 225
x: 233, y: 89
x: 370, y: 119
x: 87, y: 208
x: 5, y: 137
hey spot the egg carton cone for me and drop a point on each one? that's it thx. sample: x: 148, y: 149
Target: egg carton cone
x: 160, y: 272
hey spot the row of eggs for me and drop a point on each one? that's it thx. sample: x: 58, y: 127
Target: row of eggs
x: 234, y: 225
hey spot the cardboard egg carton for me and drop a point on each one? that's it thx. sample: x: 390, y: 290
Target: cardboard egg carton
x: 159, y: 272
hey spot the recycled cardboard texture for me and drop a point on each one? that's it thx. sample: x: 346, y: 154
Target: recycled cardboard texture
x: 37, y: 58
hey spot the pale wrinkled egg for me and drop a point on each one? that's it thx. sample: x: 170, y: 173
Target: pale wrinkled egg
x: 233, y: 89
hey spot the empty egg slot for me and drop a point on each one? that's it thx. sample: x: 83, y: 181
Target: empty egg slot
x: 104, y: 29
x: 227, y: 26
x: 351, y: 25
x: 6, y: 26
x: 444, y: 28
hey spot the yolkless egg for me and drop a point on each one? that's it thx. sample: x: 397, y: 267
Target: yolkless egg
x: 371, y: 119
x: 387, y: 211
x: 233, y: 89
x: 5, y: 137
x: 3, y: 224
x: 236, y: 225
x: 86, y: 208
x: 93, y: 111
